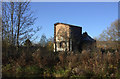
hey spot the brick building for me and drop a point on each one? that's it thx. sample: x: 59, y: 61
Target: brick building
x: 70, y: 38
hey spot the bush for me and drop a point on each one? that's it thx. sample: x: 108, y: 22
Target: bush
x: 44, y: 63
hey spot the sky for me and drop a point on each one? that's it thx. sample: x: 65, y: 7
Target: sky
x: 93, y: 17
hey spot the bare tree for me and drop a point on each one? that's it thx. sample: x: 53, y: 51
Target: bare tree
x: 111, y: 34
x: 18, y: 21
x: 0, y: 27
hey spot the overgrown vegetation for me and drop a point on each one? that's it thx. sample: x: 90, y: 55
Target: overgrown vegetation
x: 45, y: 63
x: 39, y: 60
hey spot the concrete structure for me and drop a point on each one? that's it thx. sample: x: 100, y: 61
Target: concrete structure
x: 69, y: 37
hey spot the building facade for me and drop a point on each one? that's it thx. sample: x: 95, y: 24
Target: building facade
x: 68, y: 37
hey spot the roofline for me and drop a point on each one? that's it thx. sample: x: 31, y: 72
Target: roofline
x: 67, y: 24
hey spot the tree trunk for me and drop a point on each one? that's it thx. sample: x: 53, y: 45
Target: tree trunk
x: 19, y: 14
x: 12, y: 7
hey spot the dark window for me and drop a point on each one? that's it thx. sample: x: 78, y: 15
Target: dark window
x: 60, y: 44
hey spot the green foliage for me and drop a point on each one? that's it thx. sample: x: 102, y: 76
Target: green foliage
x: 6, y: 70
x: 7, y: 67
x: 61, y: 73
x: 19, y: 69
x: 33, y: 70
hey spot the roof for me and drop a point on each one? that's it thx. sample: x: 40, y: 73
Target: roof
x: 86, y: 37
x: 67, y: 24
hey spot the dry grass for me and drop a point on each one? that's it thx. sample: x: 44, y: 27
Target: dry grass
x: 65, y: 64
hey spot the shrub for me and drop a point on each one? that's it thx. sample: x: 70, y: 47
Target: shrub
x: 44, y: 63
